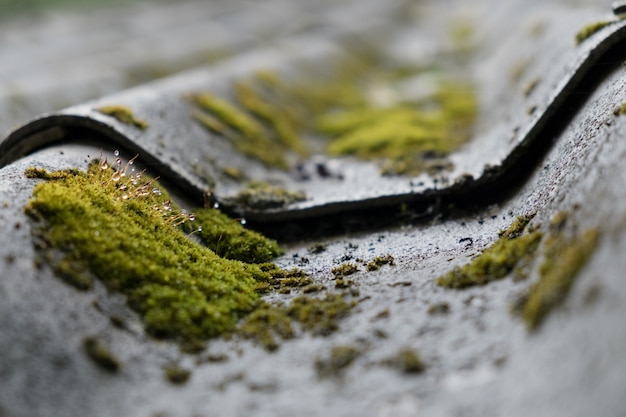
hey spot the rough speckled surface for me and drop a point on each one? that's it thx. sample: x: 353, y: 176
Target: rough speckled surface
x: 480, y: 360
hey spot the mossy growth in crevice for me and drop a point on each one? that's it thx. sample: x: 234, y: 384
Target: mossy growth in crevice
x: 117, y: 225
x: 508, y: 254
x: 358, y: 110
x: 590, y: 29
x: 241, y: 129
x: 564, y: 257
x: 123, y: 115
x: 263, y: 195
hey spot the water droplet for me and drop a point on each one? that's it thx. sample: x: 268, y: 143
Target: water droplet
x: 124, y: 196
x: 191, y: 217
x: 216, y: 205
x: 156, y: 191
x: 132, y: 161
x: 116, y: 153
x: 97, y: 233
x: 167, y: 205
x: 118, y: 161
x: 122, y: 187
x: 116, y: 176
x: 199, y: 229
x: 104, y: 164
x: 243, y: 222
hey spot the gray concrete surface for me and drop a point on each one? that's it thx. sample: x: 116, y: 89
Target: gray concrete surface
x: 480, y: 360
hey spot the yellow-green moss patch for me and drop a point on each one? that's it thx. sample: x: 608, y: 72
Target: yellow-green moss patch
x: 406, y: 136
x: 511, y: 250
x: 564, y: 258
x: 344, y: 270
x: 100, y: 355
x: 379, y: 261
x: 245, y: 133
x: 229, y: 239
x: 123, y: 115
x: 123, y: 229
x: 590, y: 29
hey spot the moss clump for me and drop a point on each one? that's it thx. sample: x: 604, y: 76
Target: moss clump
x: 591, y: 29
x: 100, y: 355
x: 339, y: 359
x: 511, y: 250
x: 244, y: 132
x: 229, y: 239
x: 408, y: 361
x: 621, y: 110
x: 407, y: 137
x: 176, y: 375
x: 320, y: 316
x: 123, y: 115
x: 262, y: 195
x: 266, y: 325
x: 276, y: 118
x: 379, y: 261
x: 123, y: 230
x: 564, y: 258
x: 344, y: 269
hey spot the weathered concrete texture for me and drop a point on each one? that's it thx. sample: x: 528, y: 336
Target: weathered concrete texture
x: 480, y: 360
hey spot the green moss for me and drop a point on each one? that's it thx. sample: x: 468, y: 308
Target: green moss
x: 320, y: 316
x: 176, y: 375
x: 267, y: 325
x: 621, y: 110
x: 591, y: 29
x: 246, y: 134
x: 126, y: 236
x: 564, y: 258
x: 262, y: 195
x: 340, y: 357
x: 511, y: 250
x: 229, y: 239
x: 100, y: 355
x: 123, y: 115
x: 276, y: 118
x: 516, y: 228
x: 379, y: 261
x: 408, y: 361
x: 406, y: 136
x: 344, y: 270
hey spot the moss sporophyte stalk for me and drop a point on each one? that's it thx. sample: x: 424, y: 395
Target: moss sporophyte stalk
x: 118, y: 225
x: 268, y: 119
